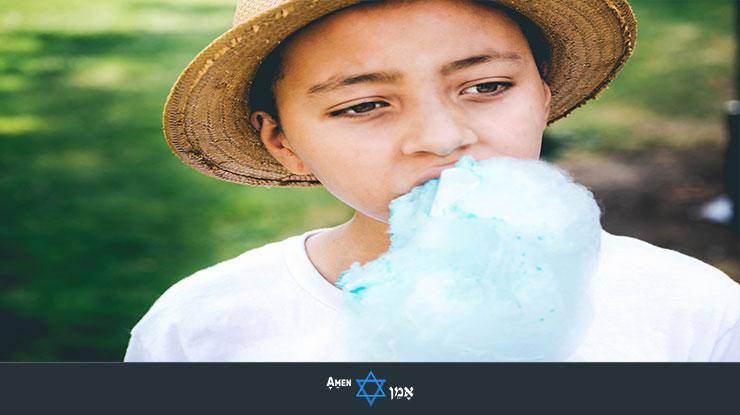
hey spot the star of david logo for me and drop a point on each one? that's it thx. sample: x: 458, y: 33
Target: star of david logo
x: 370, y: 379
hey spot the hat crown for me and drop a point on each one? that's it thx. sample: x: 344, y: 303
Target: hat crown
x: 247, y: 9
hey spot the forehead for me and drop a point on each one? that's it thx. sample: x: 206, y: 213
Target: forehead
x: 402, y: 12
x: 393, y: 33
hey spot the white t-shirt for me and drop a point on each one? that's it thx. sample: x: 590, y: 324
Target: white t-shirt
x: 271, y: 304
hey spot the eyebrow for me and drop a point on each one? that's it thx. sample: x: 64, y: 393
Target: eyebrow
x: 477, y: 60
x: 340, y: 81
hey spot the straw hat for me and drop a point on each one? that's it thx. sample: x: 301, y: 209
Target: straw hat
x: 206, y: 118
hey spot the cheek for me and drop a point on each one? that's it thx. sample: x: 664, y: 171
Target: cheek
x: 513, y: 134
x: 337, y: 160
x: 531, y: 144
x: 357, y: 172
x: 526, y: 123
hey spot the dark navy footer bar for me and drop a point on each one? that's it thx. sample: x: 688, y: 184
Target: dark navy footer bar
x: 365, y: 387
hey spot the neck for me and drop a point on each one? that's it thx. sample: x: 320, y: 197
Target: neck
x: 361, y: 239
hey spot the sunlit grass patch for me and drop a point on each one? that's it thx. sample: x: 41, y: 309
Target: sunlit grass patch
x: 103, y: 73
x: 85, y: 16
x: 20, y: 124
x: 15, y: 44
x: 68, y: 160
x: 12, y: 83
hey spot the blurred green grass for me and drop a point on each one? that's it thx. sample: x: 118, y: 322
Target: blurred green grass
x: 673, y: 89
x: 98, y: 217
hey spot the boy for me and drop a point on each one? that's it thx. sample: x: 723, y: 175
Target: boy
x: 371, y: 100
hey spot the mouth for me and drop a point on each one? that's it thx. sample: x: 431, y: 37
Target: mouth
x: 432, y: 173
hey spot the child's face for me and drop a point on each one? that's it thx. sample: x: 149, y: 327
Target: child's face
x: 378, y: 99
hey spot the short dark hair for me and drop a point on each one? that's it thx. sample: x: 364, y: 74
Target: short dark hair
x: 262, y: 92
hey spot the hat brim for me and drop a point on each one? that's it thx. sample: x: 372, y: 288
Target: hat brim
x: 206, y: 118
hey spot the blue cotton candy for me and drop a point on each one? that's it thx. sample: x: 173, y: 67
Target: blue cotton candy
x: 490, y: 262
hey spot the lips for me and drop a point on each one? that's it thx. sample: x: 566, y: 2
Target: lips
x: 432, y: 173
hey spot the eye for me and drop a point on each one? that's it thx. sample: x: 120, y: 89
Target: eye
x: 490, y: 88
x: 358, y: 109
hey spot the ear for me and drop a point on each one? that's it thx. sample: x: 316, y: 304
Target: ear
x: 544, y: 68
x: 273, y: 138
x: 548, y: 98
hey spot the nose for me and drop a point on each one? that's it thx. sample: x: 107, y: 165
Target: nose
x: 437, y: 128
